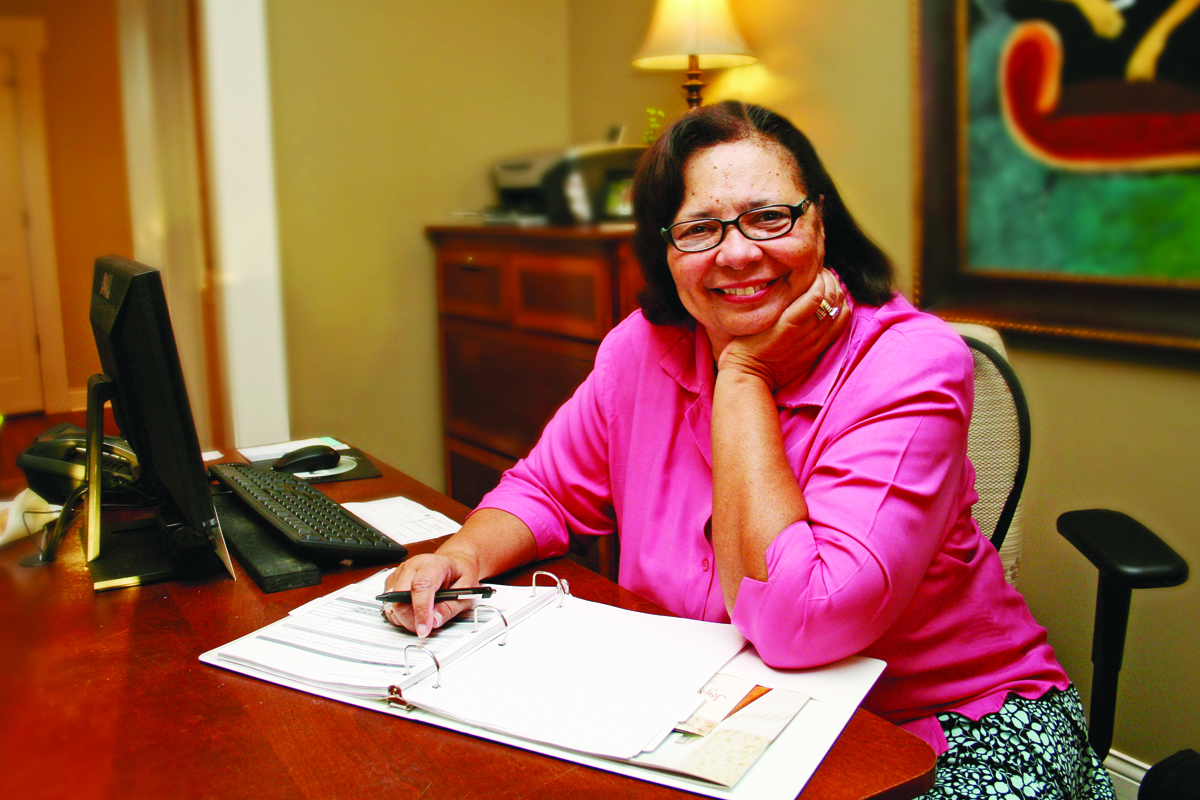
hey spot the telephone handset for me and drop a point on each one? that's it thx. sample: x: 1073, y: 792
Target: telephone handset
x: 56, y: 463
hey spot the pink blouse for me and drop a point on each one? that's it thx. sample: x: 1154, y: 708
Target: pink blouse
x: 889, y: 564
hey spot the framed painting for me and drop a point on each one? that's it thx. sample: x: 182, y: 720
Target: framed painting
x: 1060, y: 167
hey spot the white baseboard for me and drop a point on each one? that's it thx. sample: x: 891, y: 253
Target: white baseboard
x: 1126, y: 773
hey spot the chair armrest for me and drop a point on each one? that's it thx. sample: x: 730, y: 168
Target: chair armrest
x: 1129, y: 556
x: 1123, y: 549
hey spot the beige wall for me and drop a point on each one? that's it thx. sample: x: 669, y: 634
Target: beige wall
x: 385, y: 124
x: 387, y: 116
x: 1111, y: 429
x: 1118, y: 430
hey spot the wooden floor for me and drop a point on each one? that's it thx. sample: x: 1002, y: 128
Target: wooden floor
x: 18, y: 432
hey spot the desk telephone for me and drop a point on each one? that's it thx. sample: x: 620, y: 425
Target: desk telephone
x: 56, y: 464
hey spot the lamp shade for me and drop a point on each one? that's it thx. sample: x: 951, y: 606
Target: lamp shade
x: 703, y: 28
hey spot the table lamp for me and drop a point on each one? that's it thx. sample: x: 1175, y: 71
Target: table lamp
x: 693, y: 35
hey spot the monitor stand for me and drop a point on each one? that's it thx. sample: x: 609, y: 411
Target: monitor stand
x: 118, y: 554
x: 132, y: 558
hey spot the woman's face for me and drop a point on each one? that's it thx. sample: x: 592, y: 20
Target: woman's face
x: 742, y: 286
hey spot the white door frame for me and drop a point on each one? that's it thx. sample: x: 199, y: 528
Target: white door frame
x: 241, y: 179
x: 25, y: 38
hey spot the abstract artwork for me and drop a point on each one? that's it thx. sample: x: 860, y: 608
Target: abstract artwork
x: 1060, y: 167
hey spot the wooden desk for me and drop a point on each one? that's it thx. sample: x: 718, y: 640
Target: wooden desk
x: 102, y: 696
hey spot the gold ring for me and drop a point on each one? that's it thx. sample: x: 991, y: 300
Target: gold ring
x: 825, y: 310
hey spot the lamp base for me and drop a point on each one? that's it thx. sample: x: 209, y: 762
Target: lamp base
x: 693, y: 84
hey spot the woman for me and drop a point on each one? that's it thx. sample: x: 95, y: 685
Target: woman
x: 781, y: 442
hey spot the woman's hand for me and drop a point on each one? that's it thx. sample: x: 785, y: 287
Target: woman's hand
x: 491, y: 542
x: 424, y: 575
x: 789, y: 349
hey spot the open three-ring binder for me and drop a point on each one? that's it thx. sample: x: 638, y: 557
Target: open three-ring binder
x: 536, y: 668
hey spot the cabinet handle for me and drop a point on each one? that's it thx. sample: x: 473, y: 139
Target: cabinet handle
x: 470, y: 268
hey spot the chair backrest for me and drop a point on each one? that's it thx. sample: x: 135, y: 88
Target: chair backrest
x: 997, y: 444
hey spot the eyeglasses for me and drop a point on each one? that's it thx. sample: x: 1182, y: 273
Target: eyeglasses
x: 759, y: 224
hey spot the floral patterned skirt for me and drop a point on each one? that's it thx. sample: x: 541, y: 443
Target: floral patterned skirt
x: 1029, y: 748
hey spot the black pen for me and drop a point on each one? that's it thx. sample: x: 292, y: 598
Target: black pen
x: 444, y: 594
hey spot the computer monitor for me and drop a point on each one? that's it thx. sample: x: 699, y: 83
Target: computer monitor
x: 144, y: 381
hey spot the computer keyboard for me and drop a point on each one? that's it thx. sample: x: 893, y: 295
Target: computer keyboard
x: 305, y: 516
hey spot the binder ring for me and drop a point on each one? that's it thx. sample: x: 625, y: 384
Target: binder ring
x: 564, y: 588
x: 504, y: 619
x: 437, y: 664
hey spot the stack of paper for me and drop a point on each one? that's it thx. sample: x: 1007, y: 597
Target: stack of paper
x: 340, y: 642
x: 404, y: 520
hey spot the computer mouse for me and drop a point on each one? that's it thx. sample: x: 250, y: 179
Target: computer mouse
x: 313, y: 458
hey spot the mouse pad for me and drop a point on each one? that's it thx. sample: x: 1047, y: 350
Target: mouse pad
x: 354, y: 465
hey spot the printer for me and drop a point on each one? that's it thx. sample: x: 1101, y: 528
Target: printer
x: 580, y: 185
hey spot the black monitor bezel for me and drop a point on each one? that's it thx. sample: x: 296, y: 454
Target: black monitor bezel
x: 143, y: 377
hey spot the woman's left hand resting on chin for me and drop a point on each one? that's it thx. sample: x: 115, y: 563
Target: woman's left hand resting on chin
x: 491, y: 542
x: 790, y: 348
x: 755, y: 492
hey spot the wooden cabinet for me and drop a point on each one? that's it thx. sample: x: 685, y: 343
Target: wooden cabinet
x: 521, y: 313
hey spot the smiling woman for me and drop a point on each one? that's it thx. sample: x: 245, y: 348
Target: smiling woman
x: 779, y: 441
x: 863, y: 268
x: 743, y: 287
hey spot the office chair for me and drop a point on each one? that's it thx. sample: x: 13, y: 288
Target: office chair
x: 1127, y: 554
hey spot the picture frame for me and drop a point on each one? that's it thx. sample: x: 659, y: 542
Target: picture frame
x: 1145, y: 310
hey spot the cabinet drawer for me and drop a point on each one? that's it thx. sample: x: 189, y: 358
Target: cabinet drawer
x: 570, y: 295
x: 503, y: 386
x: 472, y: 472
x: 474, y: 284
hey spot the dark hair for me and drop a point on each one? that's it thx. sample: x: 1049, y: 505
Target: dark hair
x: 658, y: 193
